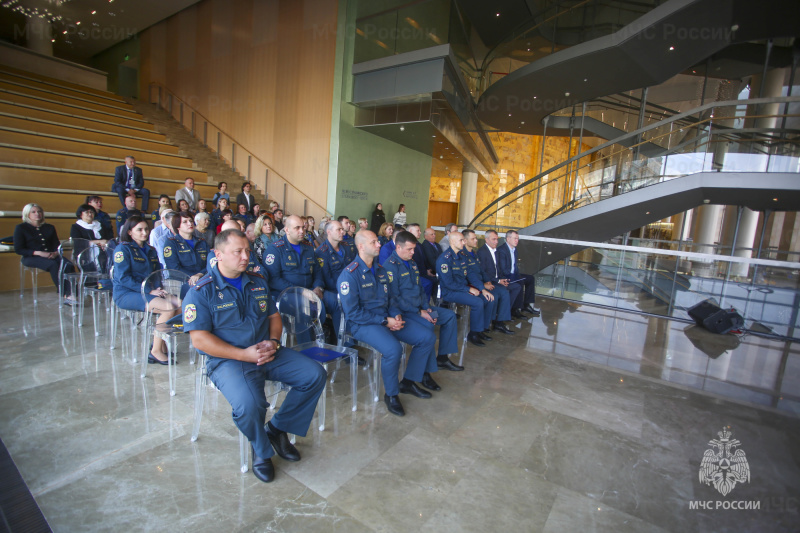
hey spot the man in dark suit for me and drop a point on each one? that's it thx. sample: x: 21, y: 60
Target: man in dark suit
x: 128, y: 179
x: 431, y: 250
x: 427, y: 281
x: 488, y: 257
x: 508, y: 267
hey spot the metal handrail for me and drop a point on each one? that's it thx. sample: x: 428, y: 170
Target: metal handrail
x: 236, y: 143
x: 630, y: 135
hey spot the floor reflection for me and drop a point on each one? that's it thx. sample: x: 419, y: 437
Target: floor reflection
x: 751, y: 369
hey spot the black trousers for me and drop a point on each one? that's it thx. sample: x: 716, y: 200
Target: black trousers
x: 527, y: 296
x: 50, y: 265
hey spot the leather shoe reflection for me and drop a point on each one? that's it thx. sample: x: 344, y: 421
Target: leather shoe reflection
x: 429, y: 383
x: 409, y: 387
x: 281, y: 445
x: 393, y: 405
x: 262, y: 468
x: 529, y: 309
x: 444, y: 363
x: 484, y: 336
x: 501, y: 327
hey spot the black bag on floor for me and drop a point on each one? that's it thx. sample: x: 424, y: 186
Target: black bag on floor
x: 709, y: 315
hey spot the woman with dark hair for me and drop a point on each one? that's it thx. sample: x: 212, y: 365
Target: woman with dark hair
x: 88, y: 228
x: 163, y: 201
x: 37, y: 242
x: 216, y: 214
x: 399, y: 218
x: 182, y: 251
x: 134, y: 260
x: 378, y: 218
x: 385, y: 233
x: 222, y: 193
x: 183, y: 206
x: 226, y: 215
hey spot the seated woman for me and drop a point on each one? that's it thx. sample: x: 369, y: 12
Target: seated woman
x: 222, y: 193
x: 37, y: 242
x: 225, y: 216
x: 201, y: 206
x: 203, y: 229
x: 164, y: 201
x: 134, y: 260
x: 183, y: 206
x: 183, y: 252
x: 88, y: 228
x: 385, y: 233
x: 243, y: 215
x: 265, y: 235
x: 216, y: 214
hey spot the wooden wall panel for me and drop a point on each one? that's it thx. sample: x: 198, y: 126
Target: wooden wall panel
x: 272, y: 93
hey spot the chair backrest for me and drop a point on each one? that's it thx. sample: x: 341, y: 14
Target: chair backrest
x: 174, y: 282
x: 300, y: 311
x: 92, y: 263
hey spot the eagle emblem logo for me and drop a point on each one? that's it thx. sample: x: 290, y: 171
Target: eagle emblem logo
x: 344, y: 288
x: 722, y: 465
x: 263, y: 306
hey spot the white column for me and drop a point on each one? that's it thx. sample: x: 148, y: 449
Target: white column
x: 38, y: 35
x: 706, y: 227
x: 469, y: 193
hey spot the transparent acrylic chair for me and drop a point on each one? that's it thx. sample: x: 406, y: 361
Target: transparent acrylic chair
x: 300, y: 313
x: 34, y: 280
x: 69, y: 251
x: 94, y: 281
x: 175, y: 283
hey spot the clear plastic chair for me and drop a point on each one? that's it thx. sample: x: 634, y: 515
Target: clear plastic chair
x: 300, y: 312
x: 175, y: 283
x: 34, y: 280
x: 94, y: 281
x: 69, y: 251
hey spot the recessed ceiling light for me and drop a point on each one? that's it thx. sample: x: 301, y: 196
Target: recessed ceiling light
x: 94, y: 12
x: 774, y: 199
x: 566, y: 94
x: 523, y: 122
x: 78, y: 23
x: 671, y: 48
x: 498, y: 14
x: 402, y: 128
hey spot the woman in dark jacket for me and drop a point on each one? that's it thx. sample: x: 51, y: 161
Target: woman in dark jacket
x: 37, y: 242
x: 378, y: 218
x: 88, y: 228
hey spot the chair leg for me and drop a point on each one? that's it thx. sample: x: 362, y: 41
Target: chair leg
x: 200, y: 381
x: 172, y: 353
x: 244, y: 453
x: 354, y: 379
x: 35, y: 285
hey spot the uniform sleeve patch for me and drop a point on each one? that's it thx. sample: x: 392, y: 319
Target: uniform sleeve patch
x: 321, y: 262
x: 391, y: 275
x: 344, y: 288
x: 168, y: 251
x: 444, y: 268
x: 119, y: 256
x: 213, y: 262
x: 263, y: 306
x: 189, y: 314
x: 270, y: 259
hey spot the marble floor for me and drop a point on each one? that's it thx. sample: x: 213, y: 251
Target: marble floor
x: 586, y: 420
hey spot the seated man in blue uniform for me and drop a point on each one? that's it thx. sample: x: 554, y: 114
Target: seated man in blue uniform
x: 231, y: 318
x: 347, y: 240
x: 364, y: 291
x: 333, y: 255
x: 426, y: 276
x: 407, y: 295
x: 128, y: 211
x: 476, y: 274
x: 290, y: 263
x: 508, y: 264
x: 254, y: 265
x: 452, y: 269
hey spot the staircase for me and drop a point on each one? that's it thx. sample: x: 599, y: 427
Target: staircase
x: 190, y: 146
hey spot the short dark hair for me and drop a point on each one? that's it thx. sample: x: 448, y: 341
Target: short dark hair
x: 221, y: 183
x: 225, y: 212
x: 93, y: 198
x: 222, y: 237
x: 467, y: 232
x: 165, y: 196
x: 414, y: 225
x: 176, y: 220
x: 83, y: 208
x: 245, y: 184
x: 402, y: 237
x: 132, y: 222
x: 342, y: 217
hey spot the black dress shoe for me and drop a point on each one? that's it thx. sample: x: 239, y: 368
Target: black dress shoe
x: 282, y: 446
x: 516, y: 314
x: 535, y: 313
x: 153, y: 360
x: 393, y: 405
x: 446, y: 364
x: 429, y: 383
x: 484, y: 336
x: 262, y: 468
x: 409, y: 387
x: 475, y: 339
x: 502, y: 328
x: 529, y: 309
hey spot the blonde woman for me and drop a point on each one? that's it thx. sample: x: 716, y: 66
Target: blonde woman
x: 265, y: 234
x: 385, y: 233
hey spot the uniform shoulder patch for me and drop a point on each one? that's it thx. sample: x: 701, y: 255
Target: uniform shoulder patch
x: 205, y: 280
x: 255, y: 275
x: 278, y: 243
x: 352, y: 266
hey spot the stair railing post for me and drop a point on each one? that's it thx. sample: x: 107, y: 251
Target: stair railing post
x: 219, y: 145
x: 205, y: 133
x: 180, y: 108
x: 194, y: 124
x: 233, y: 157
x: 249, y: 166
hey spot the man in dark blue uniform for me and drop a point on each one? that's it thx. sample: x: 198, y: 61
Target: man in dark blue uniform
x: 489, y: 264
x: 407, y: 296
x: 129, y: 210
x: 347, y: 240
x: 426, y: 276
x: 476, y: 274
x: 333, y: 256
x: 364, y: 291
x: 231, y: 318
x: 254, y: 265
x: 508, y: 264
x: 452, y: 269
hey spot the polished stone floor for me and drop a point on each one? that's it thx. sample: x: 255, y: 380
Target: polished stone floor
x: 586, y: 420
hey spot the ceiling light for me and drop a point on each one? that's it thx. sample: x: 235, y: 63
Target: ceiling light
x: 498, y: 14
x: 78, y: 23
x: 94, y: 12
x: 509, y: 114
x: 734, y: 27
x: 523, y: 122
x: 774, y: 199
x: 647, y: 213
x: 566, y: 94
x: 671, y: 48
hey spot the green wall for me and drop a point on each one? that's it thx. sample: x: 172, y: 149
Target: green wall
x: 366, y: 169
